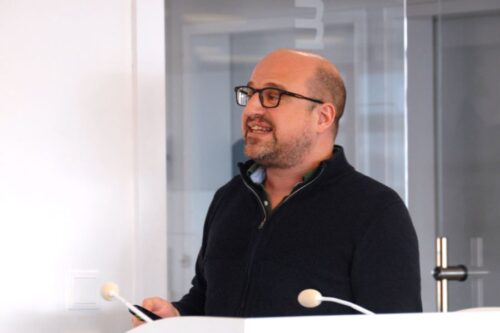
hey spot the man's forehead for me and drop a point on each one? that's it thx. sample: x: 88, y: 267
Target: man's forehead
x: 272, y: 84
x: 279, y: 76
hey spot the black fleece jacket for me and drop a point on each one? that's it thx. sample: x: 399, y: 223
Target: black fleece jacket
x: 340, y: 232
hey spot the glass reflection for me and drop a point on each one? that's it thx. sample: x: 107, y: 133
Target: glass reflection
x: 212, y: 46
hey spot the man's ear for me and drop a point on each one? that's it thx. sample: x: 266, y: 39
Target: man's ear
x: 326, y: 117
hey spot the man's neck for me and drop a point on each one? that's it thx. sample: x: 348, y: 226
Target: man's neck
x: 280, y: 182
x: 283, y: 180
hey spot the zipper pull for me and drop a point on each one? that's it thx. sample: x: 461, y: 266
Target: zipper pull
x: 261, y: 225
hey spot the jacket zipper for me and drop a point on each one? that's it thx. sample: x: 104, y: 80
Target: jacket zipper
x: 299, y: 189
x: 261, y: 225
x: 252, y: 255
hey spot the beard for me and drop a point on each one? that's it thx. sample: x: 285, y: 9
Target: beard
x: 279, y: 154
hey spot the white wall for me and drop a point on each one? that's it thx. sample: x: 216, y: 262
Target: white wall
x: 74, y: 194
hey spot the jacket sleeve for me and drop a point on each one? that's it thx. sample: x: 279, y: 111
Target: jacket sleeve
x: 385, y: 272
x: 193, y: 303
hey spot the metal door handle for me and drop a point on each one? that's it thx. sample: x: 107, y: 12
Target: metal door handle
x: 442, y: 273
x: 454, y: 273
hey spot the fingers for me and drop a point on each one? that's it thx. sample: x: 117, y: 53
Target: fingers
x: 136, y: 321
x: 158, y: 306
x: 154, y: 304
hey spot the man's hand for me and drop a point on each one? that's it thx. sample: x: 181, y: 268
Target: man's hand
x: 159, y: 306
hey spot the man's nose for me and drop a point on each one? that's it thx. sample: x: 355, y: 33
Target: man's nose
x: 254, y: 106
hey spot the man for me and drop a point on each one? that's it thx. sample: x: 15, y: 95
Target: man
x: 299, y: 216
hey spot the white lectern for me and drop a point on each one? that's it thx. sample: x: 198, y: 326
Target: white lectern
x: 456, y: 322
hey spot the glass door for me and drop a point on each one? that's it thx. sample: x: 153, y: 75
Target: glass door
x: 454, y: 157
x: 467, y: 62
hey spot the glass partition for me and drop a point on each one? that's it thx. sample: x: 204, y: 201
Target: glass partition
x: 467, y: 53
x: 454, y: 126
x: 212, y: 46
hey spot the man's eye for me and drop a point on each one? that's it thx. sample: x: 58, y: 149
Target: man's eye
x: 272, y: 95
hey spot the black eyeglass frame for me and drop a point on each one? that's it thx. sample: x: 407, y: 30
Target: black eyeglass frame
x: 281, y: 93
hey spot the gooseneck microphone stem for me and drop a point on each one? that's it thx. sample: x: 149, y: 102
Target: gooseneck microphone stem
x: 347, y: 303
x: 311, y: 298
x: 110, y: 291
x: 135, y: 310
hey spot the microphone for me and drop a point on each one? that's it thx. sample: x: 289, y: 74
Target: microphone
x: 311, y: 298
x: 110, y: 291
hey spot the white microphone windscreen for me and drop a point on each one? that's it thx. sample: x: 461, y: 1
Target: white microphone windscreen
x: 309, y: 298
x: 109, y: 290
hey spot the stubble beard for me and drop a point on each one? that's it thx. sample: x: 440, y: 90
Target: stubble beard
x: 280, y: 155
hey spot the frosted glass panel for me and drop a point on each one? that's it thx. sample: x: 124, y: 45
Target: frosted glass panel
x: 468, y: 132
x: 212, y: 46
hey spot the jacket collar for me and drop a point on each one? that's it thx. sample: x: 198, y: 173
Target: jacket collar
x: 251, y: 172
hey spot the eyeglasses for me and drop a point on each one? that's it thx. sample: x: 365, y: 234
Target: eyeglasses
x: 269, y: 97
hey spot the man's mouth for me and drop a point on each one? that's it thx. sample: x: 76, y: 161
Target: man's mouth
x: 259, y: 129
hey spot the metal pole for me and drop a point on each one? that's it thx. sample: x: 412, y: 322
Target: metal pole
x: 442, y: 284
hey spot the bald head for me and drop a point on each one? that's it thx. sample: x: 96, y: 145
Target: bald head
x: 322, y: 77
